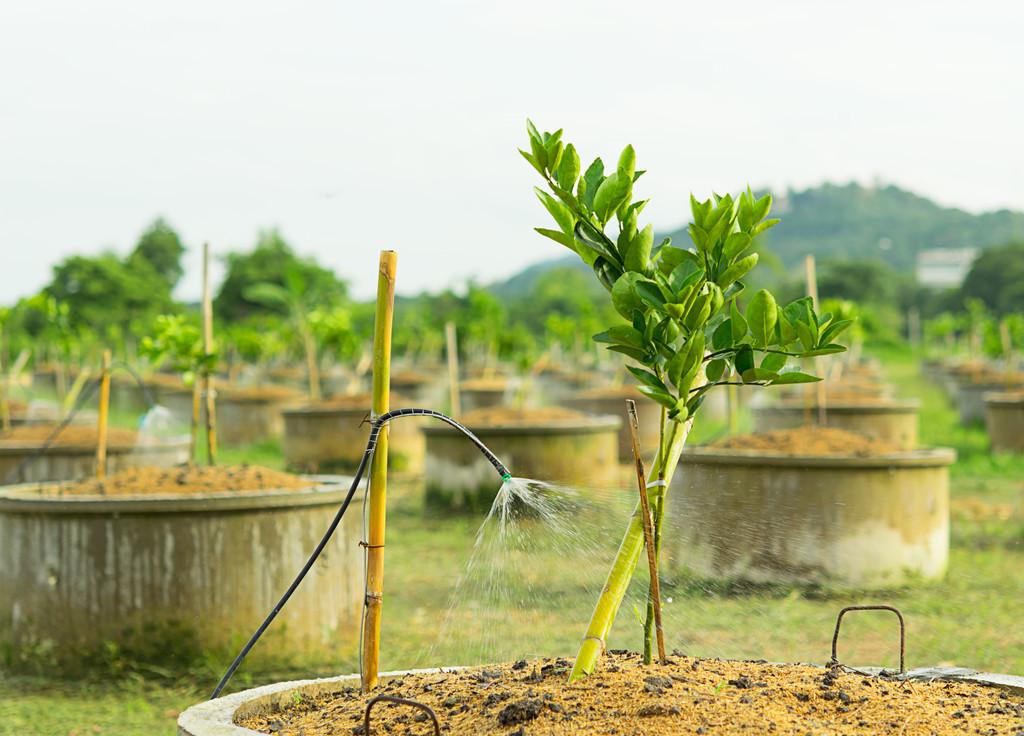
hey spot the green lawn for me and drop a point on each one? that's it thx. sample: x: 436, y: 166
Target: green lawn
x: 539, y: 598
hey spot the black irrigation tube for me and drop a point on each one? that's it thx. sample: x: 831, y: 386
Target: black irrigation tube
x: 371, y: 445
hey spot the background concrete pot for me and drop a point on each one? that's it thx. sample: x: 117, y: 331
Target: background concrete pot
x: 333, y: 437
x: 71, y: 462
x: 892, y: 420
x: 243, y: 416
x: 483, y: 393
x: 196, y: 570
x: 859, y: 521
x: 217, y: 717
x: 611, y: 401
x: 579, y: 452
x: 1004, y: 419
x: 970, y: 401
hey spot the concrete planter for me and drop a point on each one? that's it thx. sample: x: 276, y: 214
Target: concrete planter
x: 483, y: 393
x: 892, y: 421
x: 970, y: 401
x: 575, y: 452
x: 323, y: 438
x: 856, y: 521
x: 217, y: 717
x: 196, y: 571
x: 71, y: 462
x: 243, y: 417
x: 1004, y: 419
x: 612, y: 402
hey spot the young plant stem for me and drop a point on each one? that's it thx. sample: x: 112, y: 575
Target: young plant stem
x: 654, y: 592
x: 625, y: 562
x: 104, y: 412
x: 452, y: 347
x: 378, y: 471
x: 312, y: 364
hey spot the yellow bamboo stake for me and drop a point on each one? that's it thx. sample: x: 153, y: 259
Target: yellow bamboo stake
x: 648, y: 521
x: 378, y: 471
x: 104, y: 410
x: 453, y: 368
x: 211, y: 409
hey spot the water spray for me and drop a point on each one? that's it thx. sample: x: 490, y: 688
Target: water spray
x: 375, y: 427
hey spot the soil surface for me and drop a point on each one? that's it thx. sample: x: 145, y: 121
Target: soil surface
x: 683, y: 696
x: 257, y: 392
x: 71, y: 435
x: 484, y: 384
x: 409, y: 378
x: 612, y: 392
x: 809, y: 441
x: 506, y: 416
x: 183, y: 480
x: 361, y: 402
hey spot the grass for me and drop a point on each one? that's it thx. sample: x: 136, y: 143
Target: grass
x: 541, y: 600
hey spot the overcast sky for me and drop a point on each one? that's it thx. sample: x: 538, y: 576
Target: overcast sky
x: 359, y: 126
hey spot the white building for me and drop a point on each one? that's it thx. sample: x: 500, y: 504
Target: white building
x: 944, y: 268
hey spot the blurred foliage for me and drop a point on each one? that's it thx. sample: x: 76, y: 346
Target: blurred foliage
x: 273, y: 262
x: 161, y: 248
x: 177, y: 339
x: 997, y: 278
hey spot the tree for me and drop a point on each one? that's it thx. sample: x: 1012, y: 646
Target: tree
x: 160, y: 247
x: 997, y: 278
x: 269, y: 263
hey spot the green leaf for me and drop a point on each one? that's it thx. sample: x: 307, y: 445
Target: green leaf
x: 562, y: 215
x: 806, y: 336
x: 830, y: 349
x: 761, y: 317
x: 591, y: 181
x: 773, y: 362
x: 635, y: 353
x: 734, y: 245
x: 722, y: 337
x: 737, y: 322
x: 627, y: 161
x: 625, y: 297
x: 762, y: 207
x: 737, y: 270
x: 590, y: 238
x: 559, y: 237
x: 744, y: 359
x: 533, y: 162
x: 612, y: 192
x: 697, y: 314
x: 758, y: 374
x: 762, y: 226
x: 568, y: 169
x: 794, y: 377
x: 651, y: 293
x: 647, y: 378
x: 834, y: 330
x: 715, y: 369
x: 638, y: 257
x: 663, y: 398
x: 531, y: 130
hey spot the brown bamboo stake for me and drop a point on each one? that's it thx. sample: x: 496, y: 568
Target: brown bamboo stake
x: 197, y: 393
x: 5, y: 384
x: 104, y: 411
x: 211, y: 409
x: 452, y: 346
x: 812, y: 291
x: 312, y: 364
x: 378, y: 471
x: 645, y: 510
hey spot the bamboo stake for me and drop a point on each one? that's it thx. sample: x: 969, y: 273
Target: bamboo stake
x: 5, y: 384
x: 104, y: 410
x: 193, y: 441
x: 648, y: 521
x: 312, y: 364
x: 211, y: 410
x: 812, y: 291
x: 452, y: 344
x: 378, y: 471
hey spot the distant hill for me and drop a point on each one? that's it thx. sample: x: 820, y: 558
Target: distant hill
x: 841, y: 221
x: 886, y: 223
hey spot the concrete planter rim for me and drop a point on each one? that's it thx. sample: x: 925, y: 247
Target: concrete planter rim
x: 1003, y: 398
x: 325, y: 411
x: 920, y: 458
x: 883, y: 406
x: 88, y: 449
x: 582, y: 425
x: 216, y: 717
x: 22, y: 498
